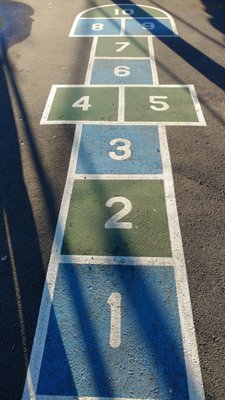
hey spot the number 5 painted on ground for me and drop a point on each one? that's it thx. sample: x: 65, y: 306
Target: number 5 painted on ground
x: 160, y: 105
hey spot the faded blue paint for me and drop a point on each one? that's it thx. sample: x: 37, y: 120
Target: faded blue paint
x: 161, y: 27
x: 110, y: 27
x: 139, y: 72
x: 78, y: 360
x: 95, y: 147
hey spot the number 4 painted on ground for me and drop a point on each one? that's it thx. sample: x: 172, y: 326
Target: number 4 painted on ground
x: 83, y: 103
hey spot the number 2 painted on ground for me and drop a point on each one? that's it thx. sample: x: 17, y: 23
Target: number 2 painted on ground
x: 114, y: 221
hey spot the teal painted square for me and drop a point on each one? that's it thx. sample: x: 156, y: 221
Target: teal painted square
x: 155, y: 27
x: 121, y: 72
x: 135, y: 149
x: 78, y: 359
x: 98, y: 27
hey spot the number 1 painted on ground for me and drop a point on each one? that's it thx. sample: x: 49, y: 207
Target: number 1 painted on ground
x: 114, y: 301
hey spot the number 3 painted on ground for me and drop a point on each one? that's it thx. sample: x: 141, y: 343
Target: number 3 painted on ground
x: 125, y: 148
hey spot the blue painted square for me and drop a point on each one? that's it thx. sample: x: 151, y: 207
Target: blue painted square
x: 137, y: 145
x: 122, y: 72
x: 78, y: 359
x: 148, y: 26
x: 99, y: 27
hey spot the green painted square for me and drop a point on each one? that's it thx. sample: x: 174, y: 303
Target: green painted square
x: 85, y: 232
x: 181, y: 106
x: 94, y: 104
x: 120, y: 47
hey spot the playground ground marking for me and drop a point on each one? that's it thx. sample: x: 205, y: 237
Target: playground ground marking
x: 153, y: 62
x: 91, y: 61
x: 201, y: 120
x: 154, y: 177
x: 81, y: 16
x: 118, y: 260
x: 186, y: 319
x: 121, y: 101
x: 184, y: 301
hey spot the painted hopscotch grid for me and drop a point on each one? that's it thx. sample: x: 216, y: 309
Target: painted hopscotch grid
x: 137, y: 12
x: 65, y: 95
x: 190, y: 349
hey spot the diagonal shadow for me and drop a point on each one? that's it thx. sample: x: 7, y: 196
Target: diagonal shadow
x: 201, y: 62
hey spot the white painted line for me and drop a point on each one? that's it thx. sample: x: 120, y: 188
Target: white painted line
x: 123, y: 27
x: 116, y: 36
x: 91, y: 61
x: 137, y: 85
x: 120, y: 59
x: 49, y: 397
x: 129, y: 123
x: 47, y: 109
x: 43, y: 318
x: 123, y: 17
x: 194, y: 377
x: 153, y: 62
x: 117, y: 260
x: 121, y: 109
x: 197, y: 105
x: 121, y: 177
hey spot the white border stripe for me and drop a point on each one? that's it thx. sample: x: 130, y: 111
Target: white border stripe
x: 194, y: 377
x: 153, y: 62
x: 122, y: 177
x: 43, y: 318
x: 91, y: 61
x: 88, y: 398
x: 121, y: 108
x: 118, y: 260
x: 123, y: 26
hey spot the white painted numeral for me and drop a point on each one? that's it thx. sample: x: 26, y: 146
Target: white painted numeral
x: 127, y: 11
x: 97, y: 27
x: 114, y: 301
x: 83, y: 103
x: 159, y: 104
x: 122, y: 70
x: 125, y: 148
x: 123, y: 47
x: 148, y: 26
x: 114, y: 221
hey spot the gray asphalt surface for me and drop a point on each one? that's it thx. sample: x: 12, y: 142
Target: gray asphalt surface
x: 36, y: 53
